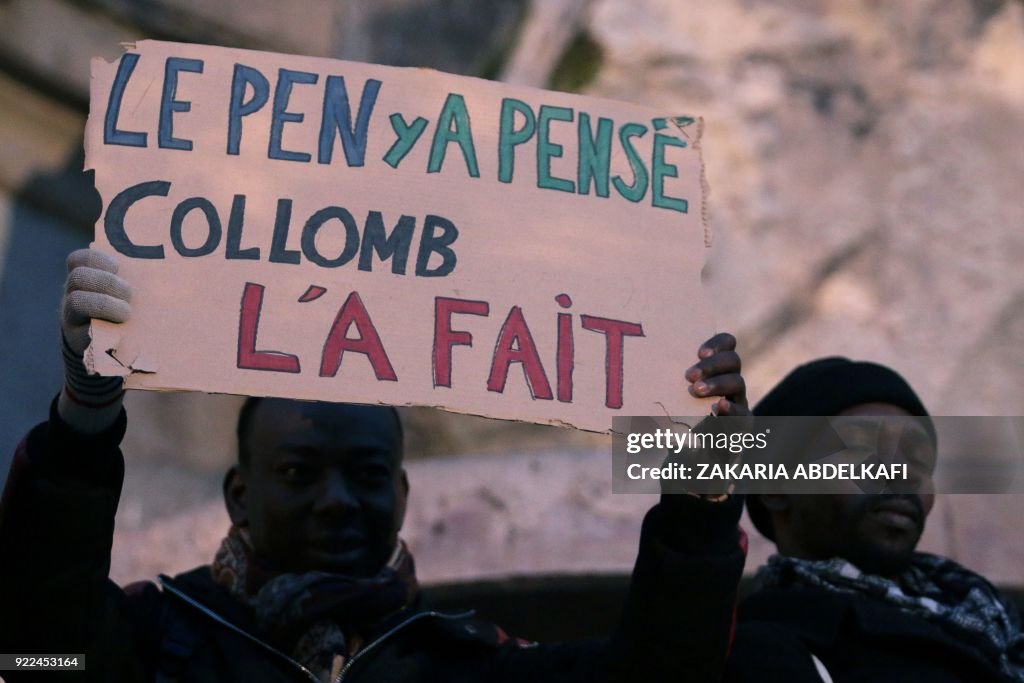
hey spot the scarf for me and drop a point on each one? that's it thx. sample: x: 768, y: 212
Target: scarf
x: 933, y: 588
x: 316, y: 616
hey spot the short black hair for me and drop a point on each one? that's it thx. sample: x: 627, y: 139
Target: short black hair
x: 245, y: 417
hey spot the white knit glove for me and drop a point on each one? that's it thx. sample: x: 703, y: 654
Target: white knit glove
x: 90, y: 403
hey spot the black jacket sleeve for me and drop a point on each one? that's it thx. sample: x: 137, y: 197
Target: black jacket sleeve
x: 678, y: 619
x: 56, y: 529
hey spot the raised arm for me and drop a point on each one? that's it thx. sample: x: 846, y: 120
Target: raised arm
x: 677, y: 623
x: 679, y: 617
x: 57, y: 510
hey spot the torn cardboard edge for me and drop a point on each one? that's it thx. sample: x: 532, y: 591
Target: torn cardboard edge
x: 109, y: 347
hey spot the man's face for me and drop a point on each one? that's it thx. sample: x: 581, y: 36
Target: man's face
x: 876, y: 532
x: 323, y: 488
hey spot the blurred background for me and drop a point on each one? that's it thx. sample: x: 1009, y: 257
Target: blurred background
x: 866, y: 164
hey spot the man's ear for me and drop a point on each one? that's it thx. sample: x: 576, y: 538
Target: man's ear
x: 235, y: 496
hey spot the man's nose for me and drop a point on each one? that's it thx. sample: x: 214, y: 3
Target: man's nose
x: 335, y: 492
x: 919, y: 480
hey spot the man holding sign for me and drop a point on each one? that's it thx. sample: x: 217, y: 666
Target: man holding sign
x: 312, y: 582
x: 336, y: 232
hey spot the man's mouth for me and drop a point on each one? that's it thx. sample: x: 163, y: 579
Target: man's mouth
x: 336, y: 553
x: 338, y: 540
x: 898, y: 513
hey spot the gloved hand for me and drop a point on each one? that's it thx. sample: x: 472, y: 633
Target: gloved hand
x: 90, y: 403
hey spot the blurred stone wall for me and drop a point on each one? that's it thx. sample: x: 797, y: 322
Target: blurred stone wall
x: 865, y: 177
x: 865, y: 165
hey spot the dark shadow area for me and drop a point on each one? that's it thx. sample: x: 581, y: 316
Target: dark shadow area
x: 468, y: 37
x: 578, y: 66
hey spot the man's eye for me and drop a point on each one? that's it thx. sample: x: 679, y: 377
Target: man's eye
x: 919, y: 463
x: 294, y: 472
x: 374, y: 474
x: 859, y: 438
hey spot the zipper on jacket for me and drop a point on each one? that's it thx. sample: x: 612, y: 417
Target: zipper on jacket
x: 270, y: 648
x: 242, y: 632
x: 395, y: 629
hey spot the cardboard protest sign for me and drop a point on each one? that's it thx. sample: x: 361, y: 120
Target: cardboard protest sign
x: 320, y: 229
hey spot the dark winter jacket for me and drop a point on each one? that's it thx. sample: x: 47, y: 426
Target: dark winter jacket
x: 56, y: 529
x: 856, y: 639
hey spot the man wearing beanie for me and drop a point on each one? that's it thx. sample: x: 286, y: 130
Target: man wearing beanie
x: 847, y: 597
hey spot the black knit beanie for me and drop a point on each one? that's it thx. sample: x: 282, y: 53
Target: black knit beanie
x: 827, y: 387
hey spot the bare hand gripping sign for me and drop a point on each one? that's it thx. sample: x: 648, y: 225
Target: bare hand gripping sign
x: 320, y: 229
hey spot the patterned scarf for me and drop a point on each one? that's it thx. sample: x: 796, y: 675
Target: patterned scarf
x: 316, y: 616
x: 933, y: 588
